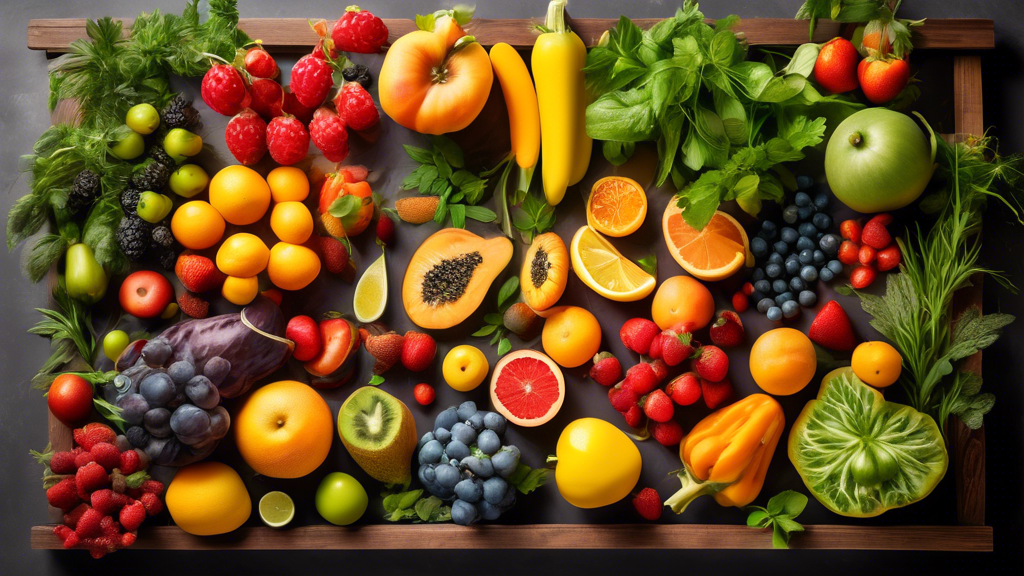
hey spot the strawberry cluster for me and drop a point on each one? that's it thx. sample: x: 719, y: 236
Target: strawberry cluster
x: 639, y: 396
x: 870, y: 248
x: 415, y: 350
x: 104, y: 491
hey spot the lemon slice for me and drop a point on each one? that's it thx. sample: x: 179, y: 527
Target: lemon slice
x: 276, y: 509
x: 371, y: 293
x: 605, y: 270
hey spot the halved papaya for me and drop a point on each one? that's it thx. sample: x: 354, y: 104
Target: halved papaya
x: 545, y: 271
x: 449, y: 275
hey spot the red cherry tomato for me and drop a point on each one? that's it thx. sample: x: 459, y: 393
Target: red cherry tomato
x: 424, y: 393
x: 70, y: 399
x: 145, y: 294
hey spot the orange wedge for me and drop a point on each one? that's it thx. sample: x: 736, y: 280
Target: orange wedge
x: 617, y: 206
x: 714, y: 253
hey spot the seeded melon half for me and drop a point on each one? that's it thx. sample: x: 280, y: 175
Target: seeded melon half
x: 379, y: 433
x: 449, y: 275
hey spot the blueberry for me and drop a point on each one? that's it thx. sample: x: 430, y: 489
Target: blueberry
x: 464, y: 513
x: 821, y: 200
x: 825, y: 275
x: 775, y: 258
x: 793, y: 267
x: 757, y: 274
x: 447, y: 418
x: 804, y: 182
x: 822, y: 221
x: 804, y: 212
x: 802, y: 199
x: 797, y: 284
x: 487, y: 510
x: 780, y: 247
x: 442, y: 435
x: 469, y: 489
x: 759, y: 247
x: 427, y: 437
x: 807, y: 298
x: 784, y: 297
x: 789, y: 235
x: 819, y: 235
x: 819, y: 257
x: 480, y: 466
x: 496, y: 422
x: 476, y: 422
x: 790, y: 213
x: 463, y: 433
x: 806, y: 256
x: 488, y: 442
x: 764, y: 304
x: 829, y: 244
x: 790, y: 309
x: 465, y: 410
x: 779, y: 286
x: 835, y: 266
x: 773, y: 270
x: 805, y: 243
x: 505, y: 463
x: 456, y: 450
x: 809, y: 273
x: 494, y: 489
x: 762, y: 285
x: 769, y: 228
x: 807, y: 229
x: 447, y: 476
x: 774, y: 313
x: 430, y: 453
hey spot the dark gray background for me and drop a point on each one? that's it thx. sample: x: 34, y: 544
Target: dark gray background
x: 22, y: 413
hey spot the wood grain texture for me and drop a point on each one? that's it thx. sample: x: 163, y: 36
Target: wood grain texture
x: 294, y: 34
x: 555, y: 536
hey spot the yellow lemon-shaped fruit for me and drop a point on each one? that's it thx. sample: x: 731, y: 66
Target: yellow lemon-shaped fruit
x: 240, y: 194
x: 240, y: 291
x: 571, y: 336
x: 242, y: 255
x: 598, y: 464
x: 877, y: 364
x: 292, y: 267
x: 287, y: 184
x: 208, y: 498
x: 782, y: 361
x: 465, y: 367
x: 197, y: 225
x: 291, y: 222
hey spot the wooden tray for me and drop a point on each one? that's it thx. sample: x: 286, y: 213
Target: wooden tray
x: 961, y: 36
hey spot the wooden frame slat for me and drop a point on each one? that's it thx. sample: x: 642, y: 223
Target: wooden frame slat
x: 294, y: 34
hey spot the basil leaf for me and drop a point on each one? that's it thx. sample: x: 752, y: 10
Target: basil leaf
x: 624, y: 116
x: 419, y: 155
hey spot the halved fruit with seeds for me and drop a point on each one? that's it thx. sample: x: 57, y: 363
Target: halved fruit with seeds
x: 545, y: 271
x: 714, y: 253
x: 379, y: 433
x: 605, y: 270
x: 527, y: 387
x: 617, y: 206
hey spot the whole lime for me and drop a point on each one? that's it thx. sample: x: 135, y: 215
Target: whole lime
x: 341, y: 499
x: 114, y: 343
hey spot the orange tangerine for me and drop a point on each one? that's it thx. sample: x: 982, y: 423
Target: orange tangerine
x: 292, y: 267
x: 714, y: 253
x: 571, y: 336
x: 292, y: 222
x: 682, y: 302
x: 240, y: 291
x: 617, y: 206
x: 197, y: 225
x: 288, y: 184
x: 243, y: 255
x: 240, y: 194
x: 782, y: 361
x: 877, y: 363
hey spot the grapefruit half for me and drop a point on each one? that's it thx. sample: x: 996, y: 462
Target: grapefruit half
x: 527, y: 388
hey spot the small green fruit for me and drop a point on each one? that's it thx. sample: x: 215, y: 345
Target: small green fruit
x: 130, y: 147
x: 341, y: 499
x: 114, y: 343
x: 153, y: 207
x: 143, y: 118
x: 85, y: 278
x: 189, y: 180
x: 180, y: 142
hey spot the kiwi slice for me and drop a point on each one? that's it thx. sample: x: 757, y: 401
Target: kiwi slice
x: 379, y: 432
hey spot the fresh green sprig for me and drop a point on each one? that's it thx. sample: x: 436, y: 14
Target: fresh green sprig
x: 494, y: 323
x: 780, y: 516
x: 441, y: 172
x: 68, y: 328
x: 533, y: 216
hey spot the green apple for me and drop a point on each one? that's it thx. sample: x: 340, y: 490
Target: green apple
x: 85, y: 278
x: 341, y: 499
x: 188, y: 180
x: 143, y: 118
x: 114, y: 343
x: 181, y: 143
x: 130, y: 147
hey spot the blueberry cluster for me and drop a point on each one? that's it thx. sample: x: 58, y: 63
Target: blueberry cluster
x: 792, y: 255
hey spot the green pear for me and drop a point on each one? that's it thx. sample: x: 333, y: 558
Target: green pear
x: 85, y: 279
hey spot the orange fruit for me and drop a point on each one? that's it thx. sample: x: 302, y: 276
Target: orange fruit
x: 197, y: 225
x: 877, y: 364
x: 714, y: 253
x: 288, y: 184
x: 243, y: 255
x: 782, y: 361
x: 682, y: 301
x: 571, y: 336
x: 292, y: 222
x: 292, y: 267
x: 284, y: 430
x: 208, y: 498
x: 617, y: 206
x: 240, y: 194
x: 240, y: 291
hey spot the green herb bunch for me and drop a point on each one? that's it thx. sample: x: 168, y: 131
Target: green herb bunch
x: 880, y: 16
x: 494, y: 323
x: 442, y: 173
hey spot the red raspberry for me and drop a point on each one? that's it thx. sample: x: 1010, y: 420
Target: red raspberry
x: 152, y: 487
x: 311, y: 80
x: 424, y: 394
x: 267, y: 98
x: 287, y: 140
x: 327, y: 130
x: 359, y: 31
x: 259, y: 63
x: 667, y: 433
x: 295, y: 108
x: 246, y: 137
x: 224, y: 90
x: 356, y: 107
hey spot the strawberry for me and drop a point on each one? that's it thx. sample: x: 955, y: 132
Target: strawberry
x: 130, y: 462
x: 71, y: 518
x: 295, y: 108
x: 385, y: 229
x: 622, y: 397
x: 304, y: 331
x: 63, y: 463
x: 606, y: 370
x: 836, y: 67
x: 356, y: 107
x: 656, y: 346
x: 224, y: 90
x: 711, y: 364
x: 667, y: 433
x: 866, y: 255
x: 883, y: 218
x: 875, y: 234
x: 109, y: 527
x: 849, y: 252
x: 640, y: 379
x: 88, y: 525
x: 418, y: 351
x: 850, y: 230
x: 676, y: 347
x: 727, y: 329
x: 267, y: 98
x: 63, y: 494
x: 107, y: 501
x: 333, y: 254
x: 127, y: 539
x: 887, y: 259
x: 424, y: 394
x: 152, y: 503
x: 634, y: 416
x: 83, y: 458
x: 637, y: 334
x: 311, y: 80
x: 832, y: 329
x: 740, y: 301
x: 152, y: 487
x: 883, y: 80
x: 862, y: 277
x: 359, y: 31
x: 93, y: 433
x: 684, y: 389
x: 106, y: 455
x: 66, y: 535
x: 287, y: 140
x: 132, y: 516
x: 197, y: 273
x: 658, y: 406
x: 274, y: 295
x: 648, y: 504
x: 259, y: 63
x: 193, y: 306
x: 89, y: 478
x: 715, y: 393
x: 385, y: 348
x: 327, y: 130
x: 660, y: 369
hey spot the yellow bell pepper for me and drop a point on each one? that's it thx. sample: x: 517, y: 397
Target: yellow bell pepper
x: 728, y: 452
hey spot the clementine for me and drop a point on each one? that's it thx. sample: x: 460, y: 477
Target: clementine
x: 682, y: 302
x: 571, y: 336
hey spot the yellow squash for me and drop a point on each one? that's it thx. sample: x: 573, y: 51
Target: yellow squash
x: 728, y: 452
x: 558, y: 60
x: 523, y: 114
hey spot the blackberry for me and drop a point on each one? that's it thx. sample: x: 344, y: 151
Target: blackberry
x: 179, y: 113
x: 133, y: 236
x: 358, y: 73
x: 153, y: 177
x: 157, y: 153
x: 84, y: 192
x: 130, y: 200
x: 167, y: 257
x: 162, y: 237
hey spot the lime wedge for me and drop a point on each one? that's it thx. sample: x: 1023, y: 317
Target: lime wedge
x: 371, y: 293
x: 276, y: 509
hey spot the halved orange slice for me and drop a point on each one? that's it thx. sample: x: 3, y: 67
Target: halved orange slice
x: 711, y: 254
x: 617, y: 206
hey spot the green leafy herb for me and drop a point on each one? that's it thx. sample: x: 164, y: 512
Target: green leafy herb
x: 67, y: 327
x: 526, y: 479
x: 533, y: 216
x: 411, y: 505
x: 780, y: 516
x: 880, y: 16
x: 376, y: 380
x: 441, y: 173
x: 494, y: 323
x: 649, y: 264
